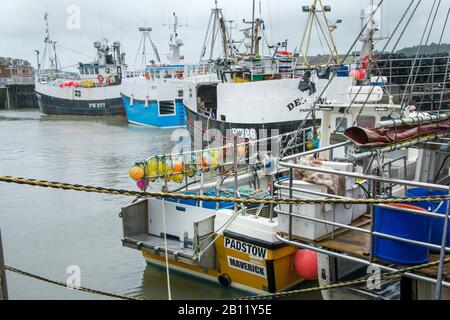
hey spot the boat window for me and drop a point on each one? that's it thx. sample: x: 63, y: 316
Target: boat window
x: 341, y: 124
x: 96, y: 71
x: 166, y: 108
x: 91, y: 70
x: 366, y: 121
x: 180, y: 93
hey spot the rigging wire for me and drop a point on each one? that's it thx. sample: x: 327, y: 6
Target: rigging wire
x: 386, y: 62
x: 405, y: 101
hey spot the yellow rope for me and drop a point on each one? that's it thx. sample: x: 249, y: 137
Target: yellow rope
x: 389, y: 276
x: 62, y: 284
x: 101, y: 190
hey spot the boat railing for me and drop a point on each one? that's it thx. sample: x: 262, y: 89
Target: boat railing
x: 291, y: 163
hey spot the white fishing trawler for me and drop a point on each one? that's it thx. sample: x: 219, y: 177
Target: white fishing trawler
x: 265, y: 247
x: 94, y: 91
x: 253, y: 91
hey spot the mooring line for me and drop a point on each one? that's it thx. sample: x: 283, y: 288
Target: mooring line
x: 65, y: 285
x: 181, y: 196
x: 388, y: 276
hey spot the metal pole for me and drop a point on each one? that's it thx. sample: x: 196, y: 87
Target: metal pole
x: 3, y: 287
x: 291, y: 184
x: 272, y: 191
x: 253, y: 29
x: 235, y: 168
x: 437, y: 294
x: 366, y: 177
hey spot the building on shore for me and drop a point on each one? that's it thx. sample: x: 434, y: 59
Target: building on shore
x: 16, y: 84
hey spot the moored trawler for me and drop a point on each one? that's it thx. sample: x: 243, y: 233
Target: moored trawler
x: 95, y: 91
x: 155, y: 97
x: 326, y: 225
x: 259, y: 91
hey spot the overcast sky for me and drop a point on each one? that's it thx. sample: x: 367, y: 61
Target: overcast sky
x: 22, y: 27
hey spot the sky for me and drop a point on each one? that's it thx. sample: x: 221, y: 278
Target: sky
x: 22, y: 28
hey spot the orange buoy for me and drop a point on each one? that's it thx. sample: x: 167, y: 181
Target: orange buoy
x: 362, y: 74
x: 177, y: 167
x: 306, y: 264
x: 137, y: 173
x: 241, y: 151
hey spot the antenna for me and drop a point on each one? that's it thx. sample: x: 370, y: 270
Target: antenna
x: 175, y: 42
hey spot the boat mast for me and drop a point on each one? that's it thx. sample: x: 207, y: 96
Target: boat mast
x: 317, y: 15
x: 50, y: 47
x: 146, y: 36
x: 216, y: 24
x: 175, y: 43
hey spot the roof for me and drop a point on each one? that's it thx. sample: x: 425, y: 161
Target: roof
x: 14, y: 62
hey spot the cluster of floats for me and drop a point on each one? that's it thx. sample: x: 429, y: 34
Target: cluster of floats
x: 376, y: 142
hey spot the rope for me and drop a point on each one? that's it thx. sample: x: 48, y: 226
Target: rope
x: 169, y: 292
x: 65, y: 285
x: 389, y: 276
x: 240, y: 200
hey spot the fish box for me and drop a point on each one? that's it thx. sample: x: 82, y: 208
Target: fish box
x: 343, y: 214
x: 308, y: 229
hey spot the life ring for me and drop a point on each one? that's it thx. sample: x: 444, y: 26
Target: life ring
x: 100, y: 79
x: 147, y: 75
x: 180, y: 75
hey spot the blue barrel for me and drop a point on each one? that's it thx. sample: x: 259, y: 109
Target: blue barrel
x: 437, y: 224
x: 392, y: 221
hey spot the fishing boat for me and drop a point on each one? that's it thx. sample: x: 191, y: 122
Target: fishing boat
x: 155, y: 97
x: 389, y: 250
x: 94, y: 91
x: 370, y: 148
x: 255, y: 94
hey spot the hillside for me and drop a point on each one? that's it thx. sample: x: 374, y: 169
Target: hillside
x: 429, y: 49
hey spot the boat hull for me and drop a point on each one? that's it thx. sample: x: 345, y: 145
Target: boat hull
x: 56, y: 106
x: 53, y: 100
x: 154, y: 103
x: 147, y: 114
x: 198, y: 126
x: 269, y: 274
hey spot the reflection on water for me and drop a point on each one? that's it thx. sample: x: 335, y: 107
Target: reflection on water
x: 46, y: 231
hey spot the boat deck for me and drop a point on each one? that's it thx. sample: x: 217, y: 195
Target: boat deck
x: 357, y: 244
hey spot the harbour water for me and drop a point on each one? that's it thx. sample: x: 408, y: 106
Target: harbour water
x: 46, y: 231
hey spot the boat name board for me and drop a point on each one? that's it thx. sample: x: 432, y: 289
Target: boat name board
x: 246, y: 267
x: 299, y: 102
x: 250, y: 249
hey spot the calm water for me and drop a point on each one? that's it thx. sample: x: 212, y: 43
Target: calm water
x: 45, y: 231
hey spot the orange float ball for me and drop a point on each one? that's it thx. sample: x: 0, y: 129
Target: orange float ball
x: 241, y: 151
x: 306, y: 264
x: 137, y: 173
x: 177, y: 167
